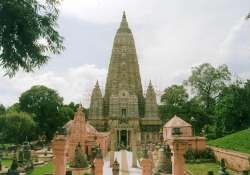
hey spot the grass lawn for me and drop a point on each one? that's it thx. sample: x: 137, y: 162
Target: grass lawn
x: 6, y: 163
x: 40, y: 170
x: 238, y: 141
x: 203, y: 168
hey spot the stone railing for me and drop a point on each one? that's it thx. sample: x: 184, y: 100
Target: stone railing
x: 234, y: 160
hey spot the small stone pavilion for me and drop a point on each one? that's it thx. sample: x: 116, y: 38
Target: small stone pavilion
x: 178, y: 127
x: 80, y: 131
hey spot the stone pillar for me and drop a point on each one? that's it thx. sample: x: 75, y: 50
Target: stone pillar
x: 134, y: 149
x: 98, y: 162
x: 112, y: 157
x: 59, y: 146
x: 134, y: 161
x: 147, y: 166
x: 112, y: 147
x: 178, y: 147
x: 127, y: 138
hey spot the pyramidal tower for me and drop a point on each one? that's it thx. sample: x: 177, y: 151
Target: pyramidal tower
x: 123, y: 80
x: 123, y: 109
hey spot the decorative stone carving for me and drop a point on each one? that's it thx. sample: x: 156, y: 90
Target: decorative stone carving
x: 77, y: 133
x: 164, y: 164
x: 80, y: 159
x: 116, y: 167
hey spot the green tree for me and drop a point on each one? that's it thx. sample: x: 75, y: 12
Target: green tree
x: 14, y: 107
x: 67, y: 111
x: 2, y: 109
x: 28, y: 34
x: 173, y: 102
x: 196, y: 115
x: 207, y: 82
x: 46, y: 104
x: 232, y: 109
x: 15, y: 126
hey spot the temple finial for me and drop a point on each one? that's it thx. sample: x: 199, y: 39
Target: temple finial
x: 97, y: 83
x: 124, y: 22
x: 150, y: 83
x: 124, y: 15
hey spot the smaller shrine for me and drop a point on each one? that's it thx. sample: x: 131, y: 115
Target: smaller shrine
x: 177, y: 127
x: 81, y: 145
x: 24, y: 156
x: 81, y: 131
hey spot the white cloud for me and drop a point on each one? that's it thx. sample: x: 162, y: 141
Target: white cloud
x: 75, y: 84
x: 106, y: 11
x: 171, y: 36
x: 235, y: 50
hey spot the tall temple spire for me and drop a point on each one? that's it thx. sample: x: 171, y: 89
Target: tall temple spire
x: 124, y: 22
x: 151, y: 108
x: 123, y: 73
x: 96, y: 105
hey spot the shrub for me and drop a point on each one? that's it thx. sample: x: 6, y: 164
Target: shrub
x: 196, y: 156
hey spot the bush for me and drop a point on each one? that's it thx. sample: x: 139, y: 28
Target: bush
x: 196, y: 156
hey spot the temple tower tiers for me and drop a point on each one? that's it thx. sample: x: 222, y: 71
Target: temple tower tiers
x: 151, y: 108
x: 122, y: 109
x: 123, y: 83
x: 96, y: 105
x: 77, y: 133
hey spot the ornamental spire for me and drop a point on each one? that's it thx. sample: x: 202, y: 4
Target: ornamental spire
x: 97, y: 84
x: 124, y: 22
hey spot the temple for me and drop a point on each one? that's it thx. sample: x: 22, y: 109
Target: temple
x: 131, y: 117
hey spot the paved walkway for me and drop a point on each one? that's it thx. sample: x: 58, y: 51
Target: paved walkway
x: 125, y: 160
x: 124, y: 163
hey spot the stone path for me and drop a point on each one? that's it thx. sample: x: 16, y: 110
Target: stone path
x: 124, y: 163
x: 125, y: 160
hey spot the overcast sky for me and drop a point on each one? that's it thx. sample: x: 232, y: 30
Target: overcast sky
x: 171, y: 37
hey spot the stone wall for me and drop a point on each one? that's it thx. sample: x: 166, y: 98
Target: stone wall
x: 234, y: 160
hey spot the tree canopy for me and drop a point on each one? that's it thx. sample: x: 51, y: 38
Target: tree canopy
x: 16, y: 126
x: 2, y: 109
x: 207, y: 82
x: 28, y: 34
x: 47, y: 105
x: 173, y: 101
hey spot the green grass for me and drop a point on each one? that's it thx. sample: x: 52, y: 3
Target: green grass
x: 203, y: 168
x: 6, y: 163
x: 238, y: 141
x: 40, y: 170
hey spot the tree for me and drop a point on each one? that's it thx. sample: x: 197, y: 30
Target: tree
x: 196, y: 115
x: 233, y: 107
x: 248, y: 16
x: 46, y: 104
x: 207, y: 82
x: 2, y: 109
x: 14, y: 107
x: 16, y: 126
x: 67, y: 111
x: 173, y: 101
x: 28, y: 34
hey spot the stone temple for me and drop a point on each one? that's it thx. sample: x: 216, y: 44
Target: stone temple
x: 131, y: 117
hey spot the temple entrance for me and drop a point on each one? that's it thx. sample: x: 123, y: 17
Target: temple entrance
x: 124, y: 138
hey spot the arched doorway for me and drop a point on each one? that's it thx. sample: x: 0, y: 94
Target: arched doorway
x: 124, y: 138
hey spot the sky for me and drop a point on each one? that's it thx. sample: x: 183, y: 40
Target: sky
x: 171, y: 37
